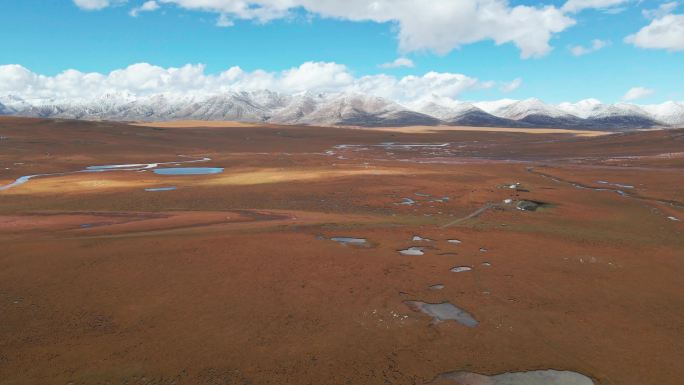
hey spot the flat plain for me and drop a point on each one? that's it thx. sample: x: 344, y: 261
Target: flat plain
x: 285, y: 266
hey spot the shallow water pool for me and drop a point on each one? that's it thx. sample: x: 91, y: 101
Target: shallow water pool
x: 188, y: 170
x: 444, y: 311
x: 413, y: 250
x: 350, y: 241
x: 170, y: 188
x: 534, y: 377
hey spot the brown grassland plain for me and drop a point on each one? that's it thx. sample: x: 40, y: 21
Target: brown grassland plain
x: 232, y: 278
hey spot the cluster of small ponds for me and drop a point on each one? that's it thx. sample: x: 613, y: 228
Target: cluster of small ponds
x: 620, y: 190
x: 440, y: 312
x: 132, y: 167
x: 447, y: 311
x: 393, y: 146
x: 394, y: 150
x: 426, y: 198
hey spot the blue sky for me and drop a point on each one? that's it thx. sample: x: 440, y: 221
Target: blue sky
x: 48, y: 37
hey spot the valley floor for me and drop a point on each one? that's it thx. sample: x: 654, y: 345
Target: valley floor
x: 574, y: 247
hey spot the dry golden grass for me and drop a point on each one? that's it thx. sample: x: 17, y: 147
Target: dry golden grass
x: 196, y: 123
x: 405, y: 130
x: 434, y: 129
x: 275, y: 175
x: 83, y: 183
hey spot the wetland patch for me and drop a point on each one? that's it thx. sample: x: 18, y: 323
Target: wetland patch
x: 188, y: 170
x: 533, y: 377
x: 460, y: 269
x: 154, y: 189
x: 413, y: 250
x: 441, y: 312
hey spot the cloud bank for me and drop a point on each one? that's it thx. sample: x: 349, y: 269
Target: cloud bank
x: 145, y: 79
x: 440, y: 26
x: 574, y: 6
x: 666, y: 30
x: 92, y: 4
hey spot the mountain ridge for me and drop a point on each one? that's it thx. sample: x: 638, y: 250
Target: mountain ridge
x: 353, y: 109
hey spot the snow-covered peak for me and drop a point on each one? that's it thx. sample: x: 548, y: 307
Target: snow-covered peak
x: 490, y: 106
x: 444, y: 108
x: 671, y: 113
x: 345, y: 108
x: 594, y: 109
x: 522, y: 108
x: 583, y: 109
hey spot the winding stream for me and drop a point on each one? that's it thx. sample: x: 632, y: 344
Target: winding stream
x: 104, y: 168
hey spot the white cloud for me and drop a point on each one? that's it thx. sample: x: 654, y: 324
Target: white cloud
x: 663, y: 10
x: 260, y: 10
x: 398, y: 62
x: 147, y: 6
x: 320, y: 76
x: 596, y: 45
x: 666, y: 31
x: 637, y: 93
x: 143, y: 79
x: 512, y: 85
x: 93, y: 5
x: 411, y: 88
x: 441, y: 26
x: 224, y: 21
x: 574, y: 6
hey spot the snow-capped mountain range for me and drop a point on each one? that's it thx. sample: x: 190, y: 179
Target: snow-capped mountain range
x: 350, y: 109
